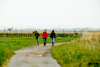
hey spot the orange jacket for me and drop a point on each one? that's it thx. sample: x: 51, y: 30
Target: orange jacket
x: 45, y: 35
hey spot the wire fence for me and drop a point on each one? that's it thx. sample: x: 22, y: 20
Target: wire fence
x: 30, y: 32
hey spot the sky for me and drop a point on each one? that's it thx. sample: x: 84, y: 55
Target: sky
x: 49, y: 14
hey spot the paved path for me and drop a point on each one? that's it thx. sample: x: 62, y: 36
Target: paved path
x: 34, y: 56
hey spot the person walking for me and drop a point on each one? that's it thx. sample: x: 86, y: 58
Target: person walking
x: 45, y: 36
x: 36, y: 38
x: 52, y: 36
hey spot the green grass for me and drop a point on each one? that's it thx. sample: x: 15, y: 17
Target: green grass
x: 15, y: 43
x: 77, y: 54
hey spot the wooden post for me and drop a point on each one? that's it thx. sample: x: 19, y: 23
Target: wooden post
x: 4, y: 36
x: 28, y: 32
x: 63, y: 31
x: 16, y: 33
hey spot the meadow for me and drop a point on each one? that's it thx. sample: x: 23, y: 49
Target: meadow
x: 14, y: 43
x: 82, y: 52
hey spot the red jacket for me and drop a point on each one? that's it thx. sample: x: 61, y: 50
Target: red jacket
x: 45, y: 35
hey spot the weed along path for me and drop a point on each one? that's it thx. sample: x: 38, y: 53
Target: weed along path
x: 34, y: 56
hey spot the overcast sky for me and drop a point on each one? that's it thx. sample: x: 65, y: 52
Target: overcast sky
x: 49, y: 13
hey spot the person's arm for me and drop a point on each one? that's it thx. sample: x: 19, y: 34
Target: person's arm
x: 50, y: 35
x: 55, y: 35
x: 47, y: 35
x: 35, y: 35
x: 38, y: 34
x: 42, y: 35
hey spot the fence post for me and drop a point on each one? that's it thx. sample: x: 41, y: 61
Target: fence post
x: 28, y: 32
x: 16, y: 33
x: 63, y: 31
x: 4, y: 36
x: 81, y: 32
x: 74, y: 33
x: 21, y: 32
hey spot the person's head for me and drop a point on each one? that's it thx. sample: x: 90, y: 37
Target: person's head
x: 53, y: 31
x: 45, y: 30
x: 36, y: 31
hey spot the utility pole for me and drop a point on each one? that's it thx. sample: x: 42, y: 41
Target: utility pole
x: 4, y: 36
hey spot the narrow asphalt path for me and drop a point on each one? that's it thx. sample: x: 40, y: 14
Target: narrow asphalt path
x: 34, y: 56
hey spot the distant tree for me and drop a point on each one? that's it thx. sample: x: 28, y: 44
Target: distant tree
x: 33, y: 31
x: 10, y: 29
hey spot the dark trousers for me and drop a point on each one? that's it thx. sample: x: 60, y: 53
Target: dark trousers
x: 44, y: 40
x: 36, y: 41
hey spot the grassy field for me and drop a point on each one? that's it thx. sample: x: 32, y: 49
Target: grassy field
x: 15, y: 43
x: 83, y: 52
